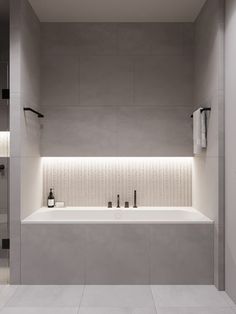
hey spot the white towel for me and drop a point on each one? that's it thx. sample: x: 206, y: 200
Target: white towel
x: 199, y: 131
x: 203, y: 130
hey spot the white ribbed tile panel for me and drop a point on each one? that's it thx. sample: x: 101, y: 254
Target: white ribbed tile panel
x: 4, y: 144
x: 95, y: 181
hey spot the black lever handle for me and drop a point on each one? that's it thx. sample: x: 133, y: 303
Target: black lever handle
x: 135, y: 199
x: 118, y: 201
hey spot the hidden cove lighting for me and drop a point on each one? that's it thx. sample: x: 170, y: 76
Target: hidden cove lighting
x: 4, y: 144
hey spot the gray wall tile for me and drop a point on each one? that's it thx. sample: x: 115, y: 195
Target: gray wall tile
x: 208, y: 190
x: 120, y: 65
x: 154, y: 131
x: 53, y: 254
x: 60, y: 39
x: 151, y: 38
x: 117, y: 254
x: 4, y: 42
x: 98, y: 39
x: 230, y: 150
x: 188, y: 39
x: 163, y: 80
x: 116, y: 131
x: 4, y: 75
x: 135, y: 38
x: 106, y: 81
x: 183, y: 253
x: 25, y: 92
x: 4, y: 118
x: 60, y: 80
x: 78, y: 131
x: 167, y: 39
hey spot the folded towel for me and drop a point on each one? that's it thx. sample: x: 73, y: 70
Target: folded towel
x: 203, y: 130
x: 199, y: 131
x: 197, y: 147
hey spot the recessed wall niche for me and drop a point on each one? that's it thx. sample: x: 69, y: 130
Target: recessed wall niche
x: 94, y: 181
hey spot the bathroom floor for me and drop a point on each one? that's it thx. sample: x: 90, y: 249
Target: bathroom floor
x: 4, y: 271
x: 114, y: 300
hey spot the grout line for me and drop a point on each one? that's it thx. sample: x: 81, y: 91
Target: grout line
x: 81, y: 299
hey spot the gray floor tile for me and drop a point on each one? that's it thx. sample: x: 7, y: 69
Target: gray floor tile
x: 118, y: 296
x: 38, y: 310
x: 116, y: 310
x: 4, y: 273
x: 188, y: 296
x: 234, y: 309
x: 6, y: 292
x: 46, y: 296
x: 104, y: 310
x: 141, y: 310
x: 194, y: 310
x: 227, y: 299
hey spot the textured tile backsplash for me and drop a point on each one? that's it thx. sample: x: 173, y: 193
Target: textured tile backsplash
x: 4, y: 144
x: 95, y: 181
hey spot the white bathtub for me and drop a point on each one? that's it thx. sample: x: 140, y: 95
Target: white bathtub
x: 107, y: 215
x: 161, y: 245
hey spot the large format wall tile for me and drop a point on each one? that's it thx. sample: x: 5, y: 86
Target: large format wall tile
x: 4, y: 42
x: 60, y: 80
x: 117, y: 65
x: 106, y: 80
x: 135, y: 38
x: 168, y: 39
x: 116, y: 131
x: 98, y: 39
x: 95, y: 181
x: 78, y: 131
x: 60, y: 39
x: 25, y: 127
x: 4, y: 117
x: 163, y: 80
x: 154, y: 131
x: 116, y: 38
x: 208, y: 188
x: 117, y: 254
x: 184, y: 253
x: 54, y: 254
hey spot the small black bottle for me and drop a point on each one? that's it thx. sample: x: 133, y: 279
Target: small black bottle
x: 51, y: 199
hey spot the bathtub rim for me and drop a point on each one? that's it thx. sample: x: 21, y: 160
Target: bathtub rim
x: 27, y: 220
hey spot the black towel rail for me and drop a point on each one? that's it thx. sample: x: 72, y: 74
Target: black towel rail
x: 40, y: 115
x: 202, y: 110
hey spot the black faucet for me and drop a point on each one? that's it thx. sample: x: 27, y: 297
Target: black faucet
x: 118, y: 201
x: 135, y: 199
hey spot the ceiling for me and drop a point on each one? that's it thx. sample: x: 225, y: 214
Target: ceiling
x: 117, y: 10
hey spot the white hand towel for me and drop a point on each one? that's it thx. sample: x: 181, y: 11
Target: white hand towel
x: 203, y: 130
x: 197, y: 132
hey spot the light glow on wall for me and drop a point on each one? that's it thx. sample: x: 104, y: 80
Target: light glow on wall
x: 4, y: 144
x: 93, y: 181
x: 187, y: 159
